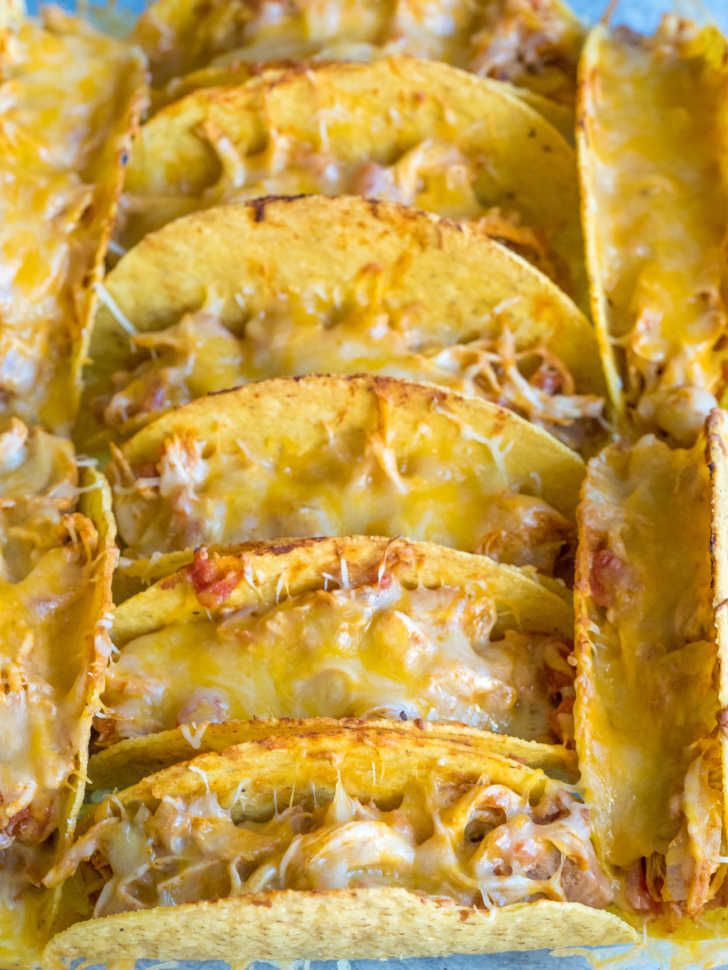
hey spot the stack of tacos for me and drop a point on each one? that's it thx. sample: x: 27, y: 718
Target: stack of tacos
x: 373, y: 585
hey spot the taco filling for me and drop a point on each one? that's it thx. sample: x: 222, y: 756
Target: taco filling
x: 51, y: 592
x: 481, y: 844
x: 371, y: 650
x: 38, y: 487
x: 200, y: 354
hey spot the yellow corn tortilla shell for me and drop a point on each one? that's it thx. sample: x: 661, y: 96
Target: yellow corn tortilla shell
x: 374, y: 761
x: 654, y: 219
x: 290, y: 133
x: 334, y: 925
x: 179, y: 36
x: 317, y: 429
x: 329, y: 257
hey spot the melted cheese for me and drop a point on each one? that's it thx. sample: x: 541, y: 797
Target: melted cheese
x: 365, y: 465
x: 200, y: 354
x: 68, y: 101
x: 647, y: 666
x: 482, y: 845
x: 380, y: 650
x: 530, y: 43
x: 656, y: 218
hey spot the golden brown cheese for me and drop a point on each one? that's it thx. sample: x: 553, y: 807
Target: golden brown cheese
x: 653, y: 148
x: 529, y: 42
x: 346, y: 456
x: 70, y: 99
x: 364, y: 650
x: 480, y: 844
x: 335, y: 285
x: 647, y: 701
x: 402, y: 130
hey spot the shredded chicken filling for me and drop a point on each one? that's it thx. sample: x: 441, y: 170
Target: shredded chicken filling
x: 38, y: 487
x: 200, y: 355
x: 481, y: 845
x: 47, y: 554
x: 381, y: 650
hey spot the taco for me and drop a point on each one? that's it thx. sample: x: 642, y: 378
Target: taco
x: 70, y: 102
x: 282, y: 287
x: 345, y: 627
x: 319, y: 456
x: 399, y: 129
x: 649, y: 694
x: 58, y: 554
x: 528, y: 42
x: 655, y: 226
x: 412, y: 846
